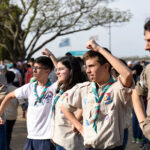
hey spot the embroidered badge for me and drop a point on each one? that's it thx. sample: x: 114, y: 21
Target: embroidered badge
x: 85, y: 101
x: 48, y: 97
x: 63, y: 97
x: 107, y: 99
x: 107, y: 117
x: 87, y: 123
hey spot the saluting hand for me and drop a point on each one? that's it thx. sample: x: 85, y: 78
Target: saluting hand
x: 92, y: 45
x: 47, y: 52
x: 1, y: 121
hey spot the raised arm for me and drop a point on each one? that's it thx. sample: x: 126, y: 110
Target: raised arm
x: 125, y: 73
x: 50, y: 55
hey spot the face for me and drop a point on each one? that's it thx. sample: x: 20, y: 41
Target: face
x: 40, y: 72
x: 147, y: 40
x: 62, y: 73
x: 95, y: 70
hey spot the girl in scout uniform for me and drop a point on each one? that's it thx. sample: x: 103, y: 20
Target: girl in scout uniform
x: 68, y: 71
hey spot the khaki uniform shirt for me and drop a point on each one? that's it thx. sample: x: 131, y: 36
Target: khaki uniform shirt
x: 143, y: 85
x: 61, y: 129
x: 3, y: 92
x: 113, y: 114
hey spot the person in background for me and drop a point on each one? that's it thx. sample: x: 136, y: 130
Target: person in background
x: 18, y: 79
x: 3, y: 138
x: 29, y: 73
x: 11, y: 111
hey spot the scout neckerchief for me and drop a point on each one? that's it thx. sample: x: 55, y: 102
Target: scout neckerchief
x: 55, y: 101
x: 39, y: 99
x: 98, y: 100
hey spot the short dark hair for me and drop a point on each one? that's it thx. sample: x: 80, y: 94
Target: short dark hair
x: 31, y: 60
x: 45, y: 61
x: 92, y: 54
x: 76, y: 75
x: 68, y: 54
x: 147, y: 25
x: 10, y: 76
x: 101, y: 59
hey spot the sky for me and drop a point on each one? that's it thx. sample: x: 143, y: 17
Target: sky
x: 126, y: 40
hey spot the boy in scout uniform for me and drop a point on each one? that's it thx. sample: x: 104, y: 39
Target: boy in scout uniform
x: 103, y: 100
x: 143, y: 89
x: 3, y: 143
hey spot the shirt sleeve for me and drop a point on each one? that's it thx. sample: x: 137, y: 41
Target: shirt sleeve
x: 23, y: 92
x: 124, y: 93
x: 73, y: 99
x: 142, y: 84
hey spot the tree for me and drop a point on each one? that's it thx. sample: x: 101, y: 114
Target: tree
x: 34, y: 18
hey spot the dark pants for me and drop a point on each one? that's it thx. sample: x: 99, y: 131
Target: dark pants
x: 58, y: 147
x: 136, y: 130
x: 116, y: 148
x: 125, y: 138
x: 3, y: 141
x: 38, y: 145
x: 9, y: 129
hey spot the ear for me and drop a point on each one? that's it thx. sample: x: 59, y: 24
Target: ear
x: 48, y: 71
x: 107, y: 66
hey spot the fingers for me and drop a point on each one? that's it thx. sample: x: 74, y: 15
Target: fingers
x: 1, y: 121
x: 91, y: 45
x: 46, y: 52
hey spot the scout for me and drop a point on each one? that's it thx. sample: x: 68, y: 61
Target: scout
x: 143, y: 89
x: 103, y: 100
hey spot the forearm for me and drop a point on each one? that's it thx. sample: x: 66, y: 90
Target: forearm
x: 54, y: 60
x: 123, y: 70
x: 79, y: 114
x: 71, y: 117
x: 138, y: 106
x: 50, y: 55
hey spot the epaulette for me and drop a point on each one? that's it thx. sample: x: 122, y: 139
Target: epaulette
x: 81, y: 85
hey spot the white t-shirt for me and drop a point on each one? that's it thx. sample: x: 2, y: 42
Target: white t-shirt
x: 38, y: 116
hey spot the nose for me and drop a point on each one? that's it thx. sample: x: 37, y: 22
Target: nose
x: 57, y: 73
x: 88, y: 70
x: 147, y: 46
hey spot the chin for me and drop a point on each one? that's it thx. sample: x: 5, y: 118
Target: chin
x: 60, y: 81
x: 92, y: 80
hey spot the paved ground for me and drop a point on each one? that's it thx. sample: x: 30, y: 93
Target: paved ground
x: 19, y: 136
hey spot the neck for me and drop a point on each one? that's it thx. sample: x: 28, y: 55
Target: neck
x: 42, y: 82
x: 106, y: 79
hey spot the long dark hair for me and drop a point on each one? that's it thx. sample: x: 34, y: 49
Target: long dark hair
x: 76, y: 75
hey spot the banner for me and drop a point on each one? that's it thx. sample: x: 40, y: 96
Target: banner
x: 64, y: 42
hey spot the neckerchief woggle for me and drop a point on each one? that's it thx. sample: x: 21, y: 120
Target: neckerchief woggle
x: 39, y: 98
x: 98, y: 99
x: 55, y: 101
